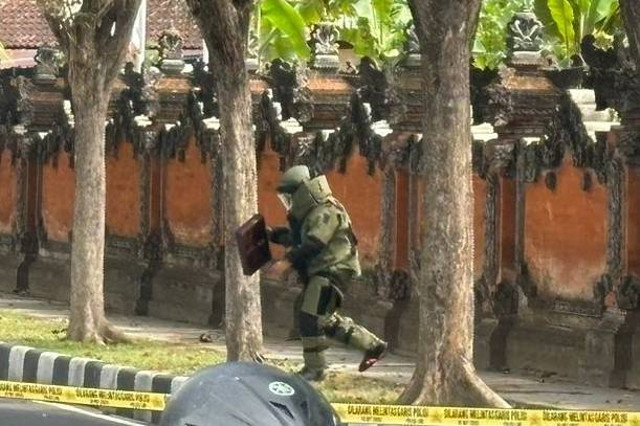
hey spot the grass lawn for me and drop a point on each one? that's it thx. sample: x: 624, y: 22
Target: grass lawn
x: 176, y: 358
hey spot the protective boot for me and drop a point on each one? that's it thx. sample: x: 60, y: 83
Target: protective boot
x: 315, y: 363
x: 346, y: 331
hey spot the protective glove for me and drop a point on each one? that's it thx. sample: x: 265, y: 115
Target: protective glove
x: 280, y: 235
x: 302, y: 255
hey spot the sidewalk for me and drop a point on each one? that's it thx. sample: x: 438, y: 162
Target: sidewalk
x: 523, y: 391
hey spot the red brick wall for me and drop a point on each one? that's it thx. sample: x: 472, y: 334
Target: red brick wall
x: 188, y: 198
x: 8, y: 192
x: 566, y: 237
x: 361, y: 194
x: 58, y: 187
x: 633, y: 221
x: 123, y: 193
x: 268, y: 204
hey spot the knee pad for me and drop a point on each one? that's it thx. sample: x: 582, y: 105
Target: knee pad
x: 309, y: 325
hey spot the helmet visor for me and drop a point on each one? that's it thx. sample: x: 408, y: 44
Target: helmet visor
x: 285, y: 199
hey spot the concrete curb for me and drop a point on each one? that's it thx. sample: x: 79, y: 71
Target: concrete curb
x: 31, y: 365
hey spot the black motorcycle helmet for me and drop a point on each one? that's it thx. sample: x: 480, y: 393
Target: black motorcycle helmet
x: 247, y: 394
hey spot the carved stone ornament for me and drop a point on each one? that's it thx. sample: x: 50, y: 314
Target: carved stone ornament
x: 524, y: 33
x: 628, y: 296
x: 290, y: 90
x: 171, y: 51
x: 252, y: 60
x: 411, y: 47
x: 48, y: 64
x: 20, y: 92
x: 325, y: 38
x: 170, y: 44
x: 524, y: 40
x: 501, y: 159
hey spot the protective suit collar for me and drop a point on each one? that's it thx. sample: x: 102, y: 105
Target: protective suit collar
x: 310, y: 194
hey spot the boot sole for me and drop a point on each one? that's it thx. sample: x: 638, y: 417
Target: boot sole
x: 370, y: 362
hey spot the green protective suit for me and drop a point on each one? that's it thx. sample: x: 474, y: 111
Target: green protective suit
x: 322, y: 248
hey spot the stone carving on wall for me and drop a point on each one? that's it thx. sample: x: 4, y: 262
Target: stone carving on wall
x: 48, y: 62
x: 615, y: 246
x: 204, y: 88
x: 290, y: 90
x: 22, y: 89
x: 613, y: 76
x: 565, y: 132
x: 483, y: 287
x: 252, y: 58
x: 502, y: 159
x: 628, y: 295
x: 525, y: 33
x: 170, y: 49
x: 325, y: 42
x: 373, y: 88
x: 524, y: 40
x: 628, y: 145
x: 411, y: 47
x: 170, y: 44
x: 493, y: 104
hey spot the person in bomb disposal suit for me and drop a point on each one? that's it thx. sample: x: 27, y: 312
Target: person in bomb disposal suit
x: 321, y: 247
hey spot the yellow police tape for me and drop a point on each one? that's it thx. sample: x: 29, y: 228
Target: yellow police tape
x: 84, y: 396
x: 436, y: 416
x: 349, y: 413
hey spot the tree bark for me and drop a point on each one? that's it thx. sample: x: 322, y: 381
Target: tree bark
x: 87, y: 250
x: 94, y: 42
x: 225, y: 26
x: 444, y: 373
x: 630, y: 10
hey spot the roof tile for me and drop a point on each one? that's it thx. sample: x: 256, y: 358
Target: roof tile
x: 22, y: 25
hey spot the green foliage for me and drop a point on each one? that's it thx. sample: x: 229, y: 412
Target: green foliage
x: 562, y: 15
x: 283, y: 30
x: 375, y: 28
x: 49, y: 334
x: 182, y: 357
x: 490, y: 43
x: 567, y: 22
x: 380, y: 28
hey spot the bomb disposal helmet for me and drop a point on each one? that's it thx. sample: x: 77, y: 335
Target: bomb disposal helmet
x: 241, y: 394
x: 293, y: 178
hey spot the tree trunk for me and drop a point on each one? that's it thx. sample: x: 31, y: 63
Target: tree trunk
x: 95, y: 43
x: 444, y: 373
x: 225, y: 25
x: 87, y: 321
x: 243, y: 307
x: 630, y: 10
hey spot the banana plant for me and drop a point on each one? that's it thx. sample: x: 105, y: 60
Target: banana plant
x: 490, y: 43
x: 567, y: 22
x: 378, y: 30
x: 374, y: 28
x: 281, y: 31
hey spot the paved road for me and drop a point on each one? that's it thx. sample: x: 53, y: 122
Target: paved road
x: 24, y: 413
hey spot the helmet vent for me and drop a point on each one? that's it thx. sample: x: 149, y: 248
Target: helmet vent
x: 282, y: 408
